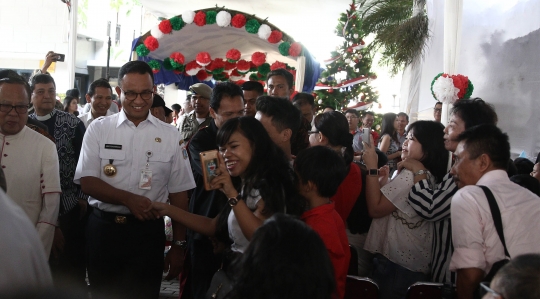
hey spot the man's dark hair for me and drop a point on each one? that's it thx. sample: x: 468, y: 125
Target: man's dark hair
x: 329, y: 107
x: 253, y: 86
x: 224, y: 89
x: 475, y: 112
x: 438, y: 103
x: 520, y: 278
x: 176, y: 108
x: 323, y: 167
x: 41, y: 79
x: 74, y: 92
x: 11, y: 77
x: 528, y: 182
x: 368, y: 113
x: 102, y: 82
x: 135, y: 66
x: 353, y: 111
x: 403, y: 114
x: 523, y: 165
x: 284, y: 114
x: 284, y: 73
x: 304, y: 97
x: 489, y: 140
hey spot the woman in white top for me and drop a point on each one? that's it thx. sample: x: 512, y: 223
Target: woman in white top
x: 399, y: 237
x: 263, y: 183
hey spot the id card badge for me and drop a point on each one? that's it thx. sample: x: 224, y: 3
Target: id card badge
x: 145, y: 182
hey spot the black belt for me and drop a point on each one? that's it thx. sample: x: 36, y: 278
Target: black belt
x: 114, y: 217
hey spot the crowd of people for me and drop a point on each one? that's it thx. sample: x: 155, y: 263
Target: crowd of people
x: 292, y: 194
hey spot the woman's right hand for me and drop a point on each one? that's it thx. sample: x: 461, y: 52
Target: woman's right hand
x: 161, y: 208
x: 384, y: 173
x: 223, y: 180
x: 411, y: 164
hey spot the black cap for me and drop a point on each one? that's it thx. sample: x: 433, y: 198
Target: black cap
x: 159, y: 102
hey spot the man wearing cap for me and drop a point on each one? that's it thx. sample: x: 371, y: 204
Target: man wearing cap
x: 159, y: 110
x: 200, y: 116
x: 99, y: 96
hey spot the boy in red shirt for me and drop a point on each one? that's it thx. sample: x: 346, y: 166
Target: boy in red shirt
x: 319, y: 172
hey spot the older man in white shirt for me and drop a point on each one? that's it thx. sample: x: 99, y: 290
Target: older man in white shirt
x: 99, y: 97
x: 28, y: 159
x: 481, y: 159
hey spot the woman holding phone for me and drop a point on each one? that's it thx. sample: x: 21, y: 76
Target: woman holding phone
x: 256, y: 177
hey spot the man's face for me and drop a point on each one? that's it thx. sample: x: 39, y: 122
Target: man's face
x: 250, y: 98
x: 135, y: 107
x: 159, y: 113
x: 437, y: 112
x: 229, y: 107
x: 187, y: 106
x: 200, y: 104
x: 278, y: 87
x: 101, y: 101
x: 13, y: 122
x: 536, y: 171
x: 455, y: 127
x: 274, y: 133
x: 402, y: 123
x: 353, y: 120
x: 306, y: 109
x: 367, y: 121
x: 465, y: 171
x: 44, y: 98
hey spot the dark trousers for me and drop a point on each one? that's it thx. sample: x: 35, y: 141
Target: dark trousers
x: 125, y: 260
x: 393, y: 279
x: 69, y: 268
x: 204, y: 264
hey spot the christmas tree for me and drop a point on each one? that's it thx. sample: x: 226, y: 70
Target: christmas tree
x: 347, y: 77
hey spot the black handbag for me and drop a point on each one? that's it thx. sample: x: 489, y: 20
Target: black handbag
x: 220, y: 286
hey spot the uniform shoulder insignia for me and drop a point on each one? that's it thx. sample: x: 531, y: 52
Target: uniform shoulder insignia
x: 202, y: 128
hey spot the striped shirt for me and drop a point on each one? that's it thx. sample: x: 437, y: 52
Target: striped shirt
x: 434, y: 205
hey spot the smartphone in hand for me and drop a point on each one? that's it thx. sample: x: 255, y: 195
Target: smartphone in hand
x: 209, y: 161
x: 366, y: 133
x: 59, y: 57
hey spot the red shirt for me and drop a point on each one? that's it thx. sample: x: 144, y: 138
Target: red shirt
x: 348, y: 192
x: 330, y: 227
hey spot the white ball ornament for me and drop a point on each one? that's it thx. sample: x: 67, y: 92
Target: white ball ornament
x: 320, y: 102
x: 223, y: 18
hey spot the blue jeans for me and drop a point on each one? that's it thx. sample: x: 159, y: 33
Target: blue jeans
x: 393, y: 279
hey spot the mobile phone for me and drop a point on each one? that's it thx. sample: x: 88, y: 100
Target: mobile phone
x: 209, y: 163
x: 366, y: 132
x: 59, y: 57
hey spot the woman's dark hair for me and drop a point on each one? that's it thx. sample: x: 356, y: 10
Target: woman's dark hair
x: 388, y: 126
x: 309, y: 163
x: 430, y: 135
x: 285, y: 259
x: 528, y: 182
x: 67, y: 102
x: 268, y: 171
x: 334, y: 126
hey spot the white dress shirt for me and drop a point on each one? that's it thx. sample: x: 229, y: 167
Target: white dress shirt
x: 151, y: 140
x: 87, y: 118
x: 476, y: 242
x: 30, y: 163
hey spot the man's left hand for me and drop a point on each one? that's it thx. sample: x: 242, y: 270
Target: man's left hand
x: 174, y: 262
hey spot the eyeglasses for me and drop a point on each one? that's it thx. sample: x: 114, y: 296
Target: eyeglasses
x: 484, y: 289
x: 20, y: 109
x: 438, y: 109
x: 131, y: 95
x: 42, y: 92
x: 312, y: 132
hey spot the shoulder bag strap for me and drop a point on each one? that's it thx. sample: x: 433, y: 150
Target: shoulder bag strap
x: 496, y: 215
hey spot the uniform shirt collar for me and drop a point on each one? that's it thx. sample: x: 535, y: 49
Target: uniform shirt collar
x: 122, y: 117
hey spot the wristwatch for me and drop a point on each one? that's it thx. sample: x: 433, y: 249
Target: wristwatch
x: 182, y: 244
x: 373, y: 172
x: 421, y: 172
x: 234, y: 200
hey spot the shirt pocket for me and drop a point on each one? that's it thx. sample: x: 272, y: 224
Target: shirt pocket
x: 118, y: 159
x: 160, y: 163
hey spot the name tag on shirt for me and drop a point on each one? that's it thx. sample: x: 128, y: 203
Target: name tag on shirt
x: 113, y: 146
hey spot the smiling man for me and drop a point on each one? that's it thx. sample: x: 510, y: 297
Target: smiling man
x: 99, y: 96
x: 434, y: 204
x: 128, y: 161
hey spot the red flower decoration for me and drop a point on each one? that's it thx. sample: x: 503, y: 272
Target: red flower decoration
x: 462, y: 83
x: 262, y: 83
x: 177, y: 57
x: 151, y: 43
x: 233, y: 55
x: 238, y: 21
x: 235, y: 73
x: 275, y: 36
x: 200, y: 18
x: 203, y: 58
x: 278, y: 65
x: 192, y: 68
x: 243, y: 66
x: 165, y: 26
x: 240, y: 82
x: 216, y: 64
x: 258, y: 58
x: 202, y: 75
x: 295, y: 49
x: 229, y: 65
